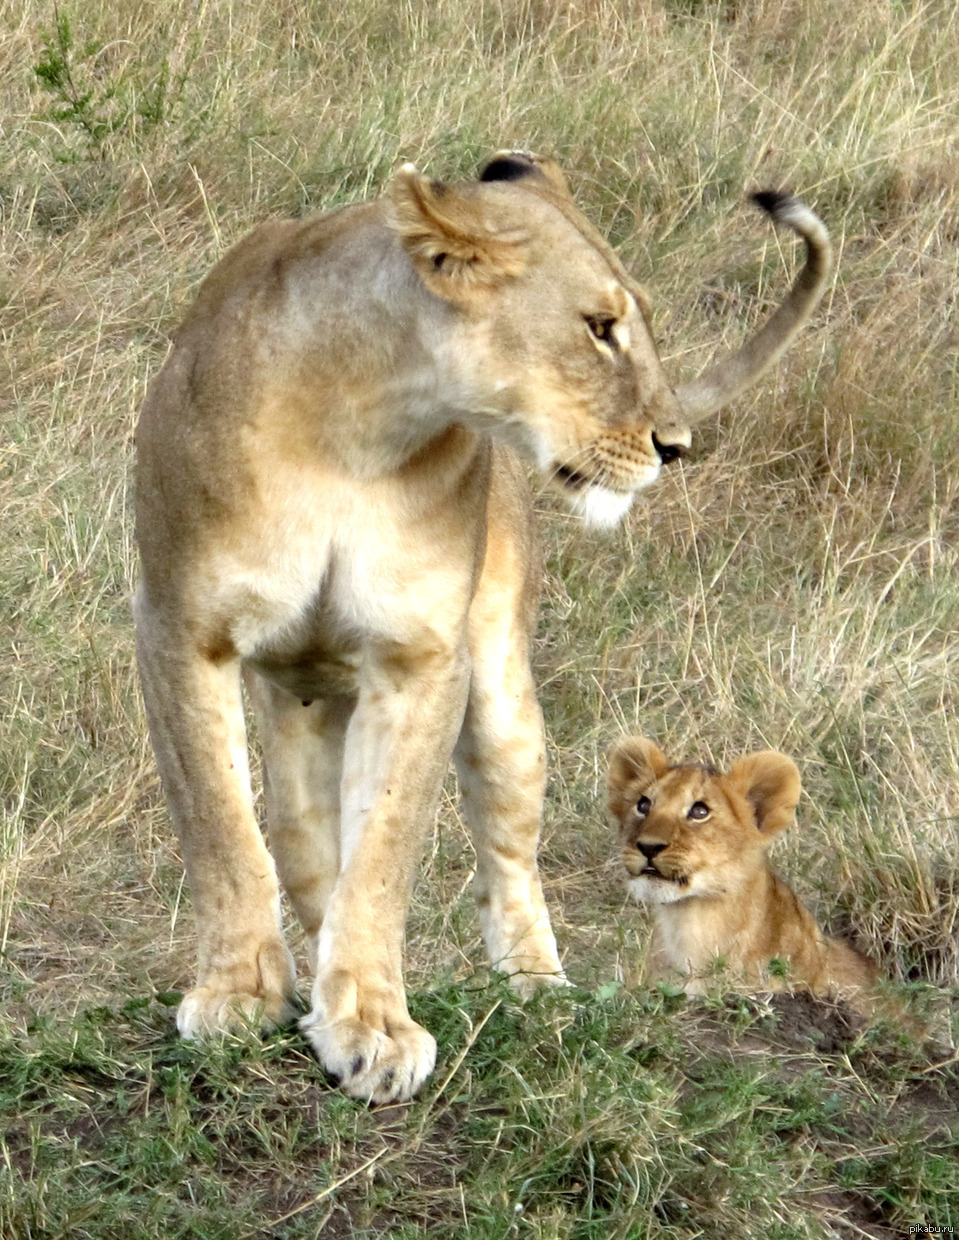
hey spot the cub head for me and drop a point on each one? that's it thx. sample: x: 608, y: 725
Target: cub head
x: 691, y: 831
x: 552, y: 335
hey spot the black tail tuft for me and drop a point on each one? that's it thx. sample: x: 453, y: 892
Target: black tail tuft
x: 773, y: 201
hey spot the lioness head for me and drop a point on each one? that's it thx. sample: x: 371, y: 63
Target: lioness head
x: 550, y: 315
x: 691, y: 831
x: 553, y: 334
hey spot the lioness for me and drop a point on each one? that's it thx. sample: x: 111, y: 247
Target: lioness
x: 328, y: 499
x: 694, y: 845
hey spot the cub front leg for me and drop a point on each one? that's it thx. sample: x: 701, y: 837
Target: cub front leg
x: 195, y: 713
x: 397, y: 750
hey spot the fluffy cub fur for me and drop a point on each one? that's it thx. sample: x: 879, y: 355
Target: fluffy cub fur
x: 694, y: 845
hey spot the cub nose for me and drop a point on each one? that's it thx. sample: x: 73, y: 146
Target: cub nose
x: 668, y: 451
x: 649, y: 851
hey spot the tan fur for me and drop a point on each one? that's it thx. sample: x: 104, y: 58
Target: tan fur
x: 707, y: 878
x: 328, y: 504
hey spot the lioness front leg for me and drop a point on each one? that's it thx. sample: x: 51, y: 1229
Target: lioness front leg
x: 500, y: 756
x: 195, y: 713
x: 398, y: 746
x: 500, y: 760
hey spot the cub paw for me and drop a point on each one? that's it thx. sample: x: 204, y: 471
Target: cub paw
x: 370, y: 1064
x: 211, y: 1010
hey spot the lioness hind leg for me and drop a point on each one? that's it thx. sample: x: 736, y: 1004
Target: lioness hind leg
x: 500, y: 761
x: 302, y: 746
x: 194, y: 707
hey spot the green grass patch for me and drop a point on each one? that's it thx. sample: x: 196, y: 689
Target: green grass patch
x: 579, y: 1115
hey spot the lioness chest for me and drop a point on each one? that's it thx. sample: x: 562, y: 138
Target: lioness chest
x: 327, y: 572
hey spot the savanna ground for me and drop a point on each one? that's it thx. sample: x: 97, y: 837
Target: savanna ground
x: 792, y: 585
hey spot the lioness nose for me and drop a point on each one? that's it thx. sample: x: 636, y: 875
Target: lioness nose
x: 649, y: 851
x: 668, y: 451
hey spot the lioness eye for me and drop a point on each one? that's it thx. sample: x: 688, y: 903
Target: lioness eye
x: 643, y: 806
x: 601, y: 325
x: 698, y: 809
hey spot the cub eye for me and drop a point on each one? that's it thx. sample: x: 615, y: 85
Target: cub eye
x: 698, y: 809
x: 643, y: 806
x: 601, y: 326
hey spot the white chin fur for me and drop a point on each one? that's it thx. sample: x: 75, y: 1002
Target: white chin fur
x: 656, y: 890
x: 599, y: 507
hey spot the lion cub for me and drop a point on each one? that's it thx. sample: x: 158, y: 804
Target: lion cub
x: 694, y: 844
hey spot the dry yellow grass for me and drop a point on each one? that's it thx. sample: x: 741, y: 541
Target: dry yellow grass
x: 794, y: 585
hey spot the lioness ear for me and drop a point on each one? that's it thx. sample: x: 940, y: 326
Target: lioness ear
x: 770, y: 783
x: 454, y: 247
x: 632, y: 762
x: 524, y: 165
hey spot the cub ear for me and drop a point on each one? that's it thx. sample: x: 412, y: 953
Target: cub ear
x: 634, y: 762
x: 770, y: 783
x: 455, y: 249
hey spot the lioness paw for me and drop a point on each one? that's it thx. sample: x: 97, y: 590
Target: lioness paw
x: 527, y: 983
x: 369, y: 1064
x: 212, y: 1010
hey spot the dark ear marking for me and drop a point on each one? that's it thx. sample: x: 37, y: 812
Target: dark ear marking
x: 509, y: 166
